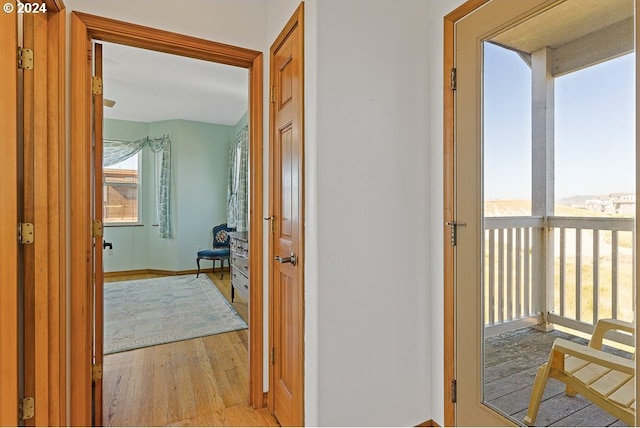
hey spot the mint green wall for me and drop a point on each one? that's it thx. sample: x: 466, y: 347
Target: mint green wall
x: 199, y: 155
x: 241, y: 123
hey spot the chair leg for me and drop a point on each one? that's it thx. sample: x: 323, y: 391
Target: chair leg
x: 221, y: 268
x: 198, y: 263
x: 536, y: 394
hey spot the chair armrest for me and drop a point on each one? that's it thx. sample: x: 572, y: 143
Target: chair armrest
x: 606, y: 324
x: 591, y: 355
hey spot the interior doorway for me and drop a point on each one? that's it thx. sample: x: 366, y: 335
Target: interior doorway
x: 85, y: 28
x: 187, y: 376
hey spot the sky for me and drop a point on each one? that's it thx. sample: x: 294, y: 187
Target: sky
x: 594, y: 128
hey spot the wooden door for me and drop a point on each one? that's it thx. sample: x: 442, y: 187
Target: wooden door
x: 287, y: 210
x: 8, y: 219
x: 98, y: 271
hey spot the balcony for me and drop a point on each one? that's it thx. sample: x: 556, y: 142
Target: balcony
x: 548, y: 278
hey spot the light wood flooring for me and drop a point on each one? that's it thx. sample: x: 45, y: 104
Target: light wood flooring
x: 197, y: 382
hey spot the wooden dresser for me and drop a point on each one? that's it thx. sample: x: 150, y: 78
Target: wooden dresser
x: 239, y: 264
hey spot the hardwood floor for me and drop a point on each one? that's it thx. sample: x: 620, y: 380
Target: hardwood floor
x: 197, y: 382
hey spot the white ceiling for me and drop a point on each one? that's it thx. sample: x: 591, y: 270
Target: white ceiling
x: 150, y: 86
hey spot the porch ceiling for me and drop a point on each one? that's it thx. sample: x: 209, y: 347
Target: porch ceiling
x: 567, y: 22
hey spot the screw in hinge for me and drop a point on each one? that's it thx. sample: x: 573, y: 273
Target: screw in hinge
x: 273, y: 356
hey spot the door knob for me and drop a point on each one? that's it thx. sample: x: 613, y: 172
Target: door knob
x: 291, y: 259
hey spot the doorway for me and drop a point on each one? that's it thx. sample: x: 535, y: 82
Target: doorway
x: 531, y: 259
x: 186, y: 133
x: 86, y: 28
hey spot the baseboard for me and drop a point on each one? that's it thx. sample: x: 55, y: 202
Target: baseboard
x: 157, y: 272
x: 429, y: 423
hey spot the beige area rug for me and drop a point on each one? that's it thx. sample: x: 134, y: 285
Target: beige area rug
x: 147, y: 312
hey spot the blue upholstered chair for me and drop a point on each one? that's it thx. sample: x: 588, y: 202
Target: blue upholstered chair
x: 220, y: 250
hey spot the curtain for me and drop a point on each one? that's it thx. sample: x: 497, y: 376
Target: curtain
x: 115, y: 151
x: 237, y: 187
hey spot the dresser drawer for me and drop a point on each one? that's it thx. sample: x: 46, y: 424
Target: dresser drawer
x: 240, y: 263
x: 239, y: 282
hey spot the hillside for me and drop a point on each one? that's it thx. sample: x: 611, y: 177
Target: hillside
x: 516, y: 207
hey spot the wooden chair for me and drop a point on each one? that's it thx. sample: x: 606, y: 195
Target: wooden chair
x: 605, y: 379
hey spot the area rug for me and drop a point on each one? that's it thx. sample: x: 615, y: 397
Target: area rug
x: 148, y: 312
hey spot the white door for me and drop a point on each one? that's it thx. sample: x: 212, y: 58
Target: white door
x: 505, y: 278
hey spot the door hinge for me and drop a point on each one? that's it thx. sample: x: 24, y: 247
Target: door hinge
x: 25, y: 59
x: 271, y: 220
x: 26, y: 408
x: 96, y: 229
x: 454, y: 79
x: 454, y: 231
x: 25, y: 233
x: 96, y: 372
x: 96, y: 85
x: 272, y: 94
x: 454, y: 391
x: 273, y: 356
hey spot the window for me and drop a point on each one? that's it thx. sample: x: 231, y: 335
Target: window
x: 122, y: 186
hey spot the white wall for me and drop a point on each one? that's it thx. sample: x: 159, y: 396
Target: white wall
x: 371, y: 202
x: 371, y: 243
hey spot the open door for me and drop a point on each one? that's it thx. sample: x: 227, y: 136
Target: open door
x: 98, y: 270
x: 286, y: 200
x: 531, y: 259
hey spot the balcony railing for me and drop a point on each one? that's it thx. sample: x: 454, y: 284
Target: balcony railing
x: 569, y: 271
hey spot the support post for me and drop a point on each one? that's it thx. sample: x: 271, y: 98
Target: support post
x: 542, y: 141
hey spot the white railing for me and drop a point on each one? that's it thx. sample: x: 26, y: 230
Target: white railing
x: 587, y: 274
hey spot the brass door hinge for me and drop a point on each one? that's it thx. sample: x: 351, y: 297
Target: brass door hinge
x: 25, y: 233
x: 454, y: 79
x: 25, y: 59
x: 273, y: 356
x: 96, y: 229
x: 454, y: 391
x: 96, y: 85
x: 272, y: 94
x: 26, y: 408
x: 96, y: 372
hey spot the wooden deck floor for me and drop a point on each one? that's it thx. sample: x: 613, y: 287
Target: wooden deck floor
x: 511, y: 362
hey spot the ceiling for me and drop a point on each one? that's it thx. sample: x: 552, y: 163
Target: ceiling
x: 564, y: 23
x: 150, y: 86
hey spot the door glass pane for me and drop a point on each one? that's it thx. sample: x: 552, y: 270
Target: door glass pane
x: 558, y: 144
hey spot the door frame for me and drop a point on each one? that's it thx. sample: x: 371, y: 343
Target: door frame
x: 8, y: 221
x: 84, y: 29
x: 449, y: 202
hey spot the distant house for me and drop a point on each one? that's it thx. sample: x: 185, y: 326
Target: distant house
x: 614, y: 203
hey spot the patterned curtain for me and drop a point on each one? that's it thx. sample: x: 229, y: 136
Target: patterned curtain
x: 237, y: 187
x: 115, y: 151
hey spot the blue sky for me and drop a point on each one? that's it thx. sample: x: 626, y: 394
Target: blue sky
x: 594, y: 128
